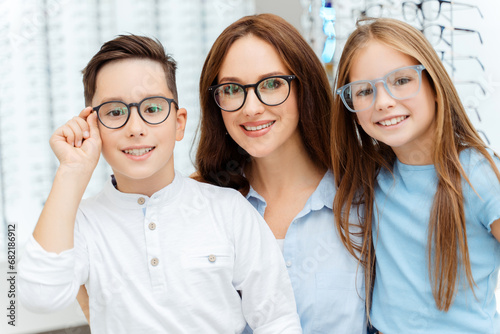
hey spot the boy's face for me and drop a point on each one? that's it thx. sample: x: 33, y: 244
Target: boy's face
x: 140, y: 154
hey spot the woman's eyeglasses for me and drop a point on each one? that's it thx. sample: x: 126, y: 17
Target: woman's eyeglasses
x: 271, y: 91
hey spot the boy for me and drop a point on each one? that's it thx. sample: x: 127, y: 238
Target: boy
x: 158, y: 253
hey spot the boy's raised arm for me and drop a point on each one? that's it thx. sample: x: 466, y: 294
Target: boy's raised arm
x: 77, y: 146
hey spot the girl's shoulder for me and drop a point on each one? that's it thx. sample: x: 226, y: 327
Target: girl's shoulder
x: 473, y: 160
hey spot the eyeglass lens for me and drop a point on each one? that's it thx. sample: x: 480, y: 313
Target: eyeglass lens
x: 400, y: 84
x: 270, y: 91
x: 427, y: 10
x: 115, y: 114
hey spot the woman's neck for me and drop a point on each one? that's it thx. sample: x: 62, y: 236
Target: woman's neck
x: 284, y: 170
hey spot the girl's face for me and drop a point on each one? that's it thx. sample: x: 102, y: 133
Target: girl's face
x: 261, y: 130
x: 406, y: 125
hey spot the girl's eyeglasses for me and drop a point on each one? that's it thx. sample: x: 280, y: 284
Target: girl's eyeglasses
x: 402, y: 83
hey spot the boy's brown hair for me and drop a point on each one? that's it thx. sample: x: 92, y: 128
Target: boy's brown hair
x: 128, y: 47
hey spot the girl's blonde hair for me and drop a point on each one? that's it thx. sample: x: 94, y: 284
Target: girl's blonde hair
x: 357, y: 159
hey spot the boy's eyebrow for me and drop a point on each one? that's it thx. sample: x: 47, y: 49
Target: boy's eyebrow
x: 235, y: 79
x: 117, y: 98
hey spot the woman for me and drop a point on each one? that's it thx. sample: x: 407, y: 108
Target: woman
x: 265, y: 126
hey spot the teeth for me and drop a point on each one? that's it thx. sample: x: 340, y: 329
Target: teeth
x: 260, y: 127
x: 392, y: 121
x: 138, y: 151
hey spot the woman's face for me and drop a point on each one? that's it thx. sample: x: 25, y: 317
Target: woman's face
x: 261, y: 130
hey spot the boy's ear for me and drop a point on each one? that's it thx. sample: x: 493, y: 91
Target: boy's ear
x: 181, y: 118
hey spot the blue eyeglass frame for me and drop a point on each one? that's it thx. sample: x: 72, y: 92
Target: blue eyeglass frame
x: 287, y: 78
x: 418, y: 68
x: 138, y: 106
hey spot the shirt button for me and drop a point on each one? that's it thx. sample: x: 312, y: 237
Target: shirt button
x: 154, y: 262
x: 141, y: 200
x: 289, y: 263
x: 211, y: 258
x: 152, y: 226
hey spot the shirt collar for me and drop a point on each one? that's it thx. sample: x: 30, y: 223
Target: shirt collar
x: 164, y: 196
x: 321, y: 197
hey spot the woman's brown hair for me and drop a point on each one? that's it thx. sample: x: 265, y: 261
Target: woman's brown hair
x: 219, y: 160
x: 357, y: 160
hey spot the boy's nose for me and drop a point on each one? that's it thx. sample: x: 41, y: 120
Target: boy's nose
x: 253, y: 106
x: 135, y: 125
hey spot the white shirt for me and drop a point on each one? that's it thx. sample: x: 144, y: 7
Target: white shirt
x: 176, y: 262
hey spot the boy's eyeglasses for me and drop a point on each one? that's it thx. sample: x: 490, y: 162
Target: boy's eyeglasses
x: 153, y: 110
x: 402, y: 83
x: 271, y: 91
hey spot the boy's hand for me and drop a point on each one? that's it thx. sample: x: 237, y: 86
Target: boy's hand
x: 78, y: 142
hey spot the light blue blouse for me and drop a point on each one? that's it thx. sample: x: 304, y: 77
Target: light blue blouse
x: 327, y: 282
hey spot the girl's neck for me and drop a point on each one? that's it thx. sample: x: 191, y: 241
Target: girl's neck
x: 419, y: 154
x: 283, y: 170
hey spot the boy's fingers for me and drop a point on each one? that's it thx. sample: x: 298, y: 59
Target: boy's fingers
x: 93, y: 126
x: 68, y: 134
x: 85, y: 113
x: 84, y: 126
x: 78, y: 127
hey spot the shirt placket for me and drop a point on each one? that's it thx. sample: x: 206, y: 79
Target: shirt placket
x: 153, y: 250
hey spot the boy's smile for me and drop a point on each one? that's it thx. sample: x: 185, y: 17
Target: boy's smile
x: 140, y: 154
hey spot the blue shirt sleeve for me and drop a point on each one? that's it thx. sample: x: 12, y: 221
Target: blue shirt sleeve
x: 484, y: 197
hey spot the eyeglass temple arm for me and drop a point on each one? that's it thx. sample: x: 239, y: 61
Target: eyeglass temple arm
x: 471, y: 30
x: 462, y: 4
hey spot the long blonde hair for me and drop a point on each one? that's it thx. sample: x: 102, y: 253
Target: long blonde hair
x: 357, y: 160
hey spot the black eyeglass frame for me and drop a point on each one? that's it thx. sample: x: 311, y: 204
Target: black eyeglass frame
x: 443, y: 28
x: 418, y: 7
x: 138, y: 106
x: 287, y: 78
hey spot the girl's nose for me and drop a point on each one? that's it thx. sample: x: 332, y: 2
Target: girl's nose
x: 383, y: 100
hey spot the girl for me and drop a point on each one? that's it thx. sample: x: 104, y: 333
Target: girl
x: 265, y: 110
x: 427, y: 188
